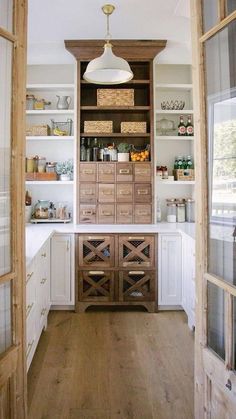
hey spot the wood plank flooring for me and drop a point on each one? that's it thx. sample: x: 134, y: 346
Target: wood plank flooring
x: 113, y: 365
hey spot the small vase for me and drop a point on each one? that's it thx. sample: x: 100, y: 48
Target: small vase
x: 123, y: 157
x: 64, y: 177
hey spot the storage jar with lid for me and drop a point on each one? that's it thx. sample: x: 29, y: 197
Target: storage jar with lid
x: 41, y: 164
x: 180, y: 212
x: 171, y: 212
x: 30, y: 100
x: 190, y: 210
x: 41, y: 209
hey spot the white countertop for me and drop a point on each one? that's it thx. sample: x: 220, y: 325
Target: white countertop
x: 37, y: 234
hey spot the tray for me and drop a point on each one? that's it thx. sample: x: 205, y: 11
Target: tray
x: 41, y: 176
x: 50, y: 220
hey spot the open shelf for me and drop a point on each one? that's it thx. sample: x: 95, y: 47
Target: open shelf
x: 50, y: 138
x: 50, y: 86
x: 51, y: 112
x: 115, y: 108
x: 49, y: 182
x: 174, y: 86
x: 173, y: 138
x: 115, y: 135
x: 125, y: 84
x: 178, y: 112
x: 176, y: 182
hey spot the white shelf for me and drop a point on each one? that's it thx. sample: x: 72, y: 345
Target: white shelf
x: 174, y: 86
x: 173, y: 138
x: 49, y: 182
x: 51, y: 112
x: 50, y: 138
x: 50, y: 87
x: 176, y: 182
x: 178, y: 112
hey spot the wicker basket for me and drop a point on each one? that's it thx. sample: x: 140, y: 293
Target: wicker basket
x: 133, y: 127
x: 115, y: 97
x: 98, y: 127
x: 37, y: 130
x: 184, y: 174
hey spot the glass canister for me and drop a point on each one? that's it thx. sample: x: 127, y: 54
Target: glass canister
x: 180, y: 212
x: 41, y: 164
x: 30, y: 164
x: 171, y: 212
x: 30, y: 100
x: 190, y: 210
x: 41, y: 209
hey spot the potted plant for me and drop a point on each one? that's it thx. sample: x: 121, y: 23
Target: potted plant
x: 123, y: 151
x: 65, y: 170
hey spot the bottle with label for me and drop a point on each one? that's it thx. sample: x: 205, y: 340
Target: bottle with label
x: 181, y: 126
x: 83, y: 151
x: 176, y: 163
x: 189, y: 126
x: 95, y: 150
x: 180, y: 162
x: 88, y: 150
x: 190, y: 162
x: 101, y: 152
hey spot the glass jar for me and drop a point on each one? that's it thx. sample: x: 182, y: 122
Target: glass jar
x: 51, y: 167
x: 41, y: 209
x: 30, y: 164
x: 41, y: 164
x: 171, y: 212
x: 190, y: 210
x: 180, y: 213
x: 30, y: 100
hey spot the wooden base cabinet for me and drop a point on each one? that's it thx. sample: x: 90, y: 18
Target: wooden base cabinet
x: 116, y: 270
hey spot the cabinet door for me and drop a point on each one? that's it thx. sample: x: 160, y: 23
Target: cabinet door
x: 106, y: 172
x: 96, y: 285
x: 87, y: 193
x: 124, y: 193
x: 124, y: 213
x: 137, y: 285
x: 61, y: 269
x: 95, y: 251
x: 87, y: 214
x: 142, y: 213
x: 136, y: 251
x: 143, y: 193
x: 106, y: 213
x: 124, y: 172
x: 106, y: 192
x: 42, y: 266
x: 142, y: 172
x: 170, y: 270
x: 88, y: 172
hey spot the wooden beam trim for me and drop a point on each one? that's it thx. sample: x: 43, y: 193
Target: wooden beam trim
x: 221, y: 10
x: 218, y: 27
x: 8, y: 364
x: 228, y: 331
x: 7, y: 35
x: 219, y: 282
x: 7, y: 277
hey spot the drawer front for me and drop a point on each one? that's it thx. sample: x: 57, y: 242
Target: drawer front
x: 87, y: 214
x: 88, y: 172
x: 95, y: 251
x: 124, y: 213
x: 137, y: 251
x: 106, y: 192
x: 137, y: 285
x: 30, y: 339
x: 87, y: 193
x: 142, y: 172
x: 96, y: 285
x: 124, y: 192
x: 106, y: 172
x: 124, y: 172
x: 142, y: 192
x: 106, y: 213
x: 30, y: 297
x: 142, y: 214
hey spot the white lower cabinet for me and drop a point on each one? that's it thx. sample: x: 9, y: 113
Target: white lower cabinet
x: 37, y: 299
x: 169, y: 270
x: 188, y: 302
x: 62, y: 270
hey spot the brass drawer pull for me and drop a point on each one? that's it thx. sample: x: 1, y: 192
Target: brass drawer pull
x: 28, y: 276
x: 124, y: 213
x: 43, y: 280
x: 124, y: 171
x: 142, y: 192
x: 97, y: 237
x: 107, y: 192
x: 142, y: 212
x: 87, y: 212
x: 89, y: 192
x: 106, y: 172
x: 29, y: 308
x: 29, y: 347
x: 136, y: 272
x: 136, y: 238
x: 106, y: 213
x: 88, y: 171
x: 142, y: 172
x: 93, y: 273
x: 124, y: 192
x: 44, y: 255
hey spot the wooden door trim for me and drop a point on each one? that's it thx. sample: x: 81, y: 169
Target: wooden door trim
x: 7, y: 277
x: 226, y: 286
x: 8, y: 364
x: 7, y: 35
x: 218, y: 27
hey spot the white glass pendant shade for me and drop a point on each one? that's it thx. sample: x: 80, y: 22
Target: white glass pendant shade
x: 108, y: 69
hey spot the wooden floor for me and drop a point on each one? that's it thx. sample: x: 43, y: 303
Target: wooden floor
x: 110, y: 365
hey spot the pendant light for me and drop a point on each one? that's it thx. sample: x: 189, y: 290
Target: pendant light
x: 108, y: 68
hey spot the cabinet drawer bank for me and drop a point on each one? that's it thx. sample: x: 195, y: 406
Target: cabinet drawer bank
x: 116, y: 270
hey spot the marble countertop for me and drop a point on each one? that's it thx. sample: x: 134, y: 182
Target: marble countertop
x: 37, y: 234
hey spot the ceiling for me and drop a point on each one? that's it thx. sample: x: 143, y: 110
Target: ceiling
x: 50, y: 22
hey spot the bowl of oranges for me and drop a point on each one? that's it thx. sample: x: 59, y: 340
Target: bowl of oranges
x: 140, y: 155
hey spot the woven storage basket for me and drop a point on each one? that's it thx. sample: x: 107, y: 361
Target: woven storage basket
x: 34, y: 130
x: 183, y: 174
x: 133, y: 127
x: 98, y: 127
x: 115, y: 97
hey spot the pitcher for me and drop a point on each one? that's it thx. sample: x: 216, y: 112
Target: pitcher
x: 63, y: 102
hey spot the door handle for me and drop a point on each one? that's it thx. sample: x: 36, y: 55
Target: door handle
x: 29, y: 276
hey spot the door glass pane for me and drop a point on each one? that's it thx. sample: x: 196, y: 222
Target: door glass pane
x: 220, y: 52
x: 5, y: 154
x: 210, y: 14
x: 6, y: 21
x: 215, y: 319
x: 5, y: 316
x: 234, y: 333
x: 230, y: 6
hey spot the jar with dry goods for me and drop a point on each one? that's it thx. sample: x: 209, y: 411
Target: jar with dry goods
x: 190, y: 210
x: 41, y: 209
x: 180, y: 212
x: 171, y: 212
